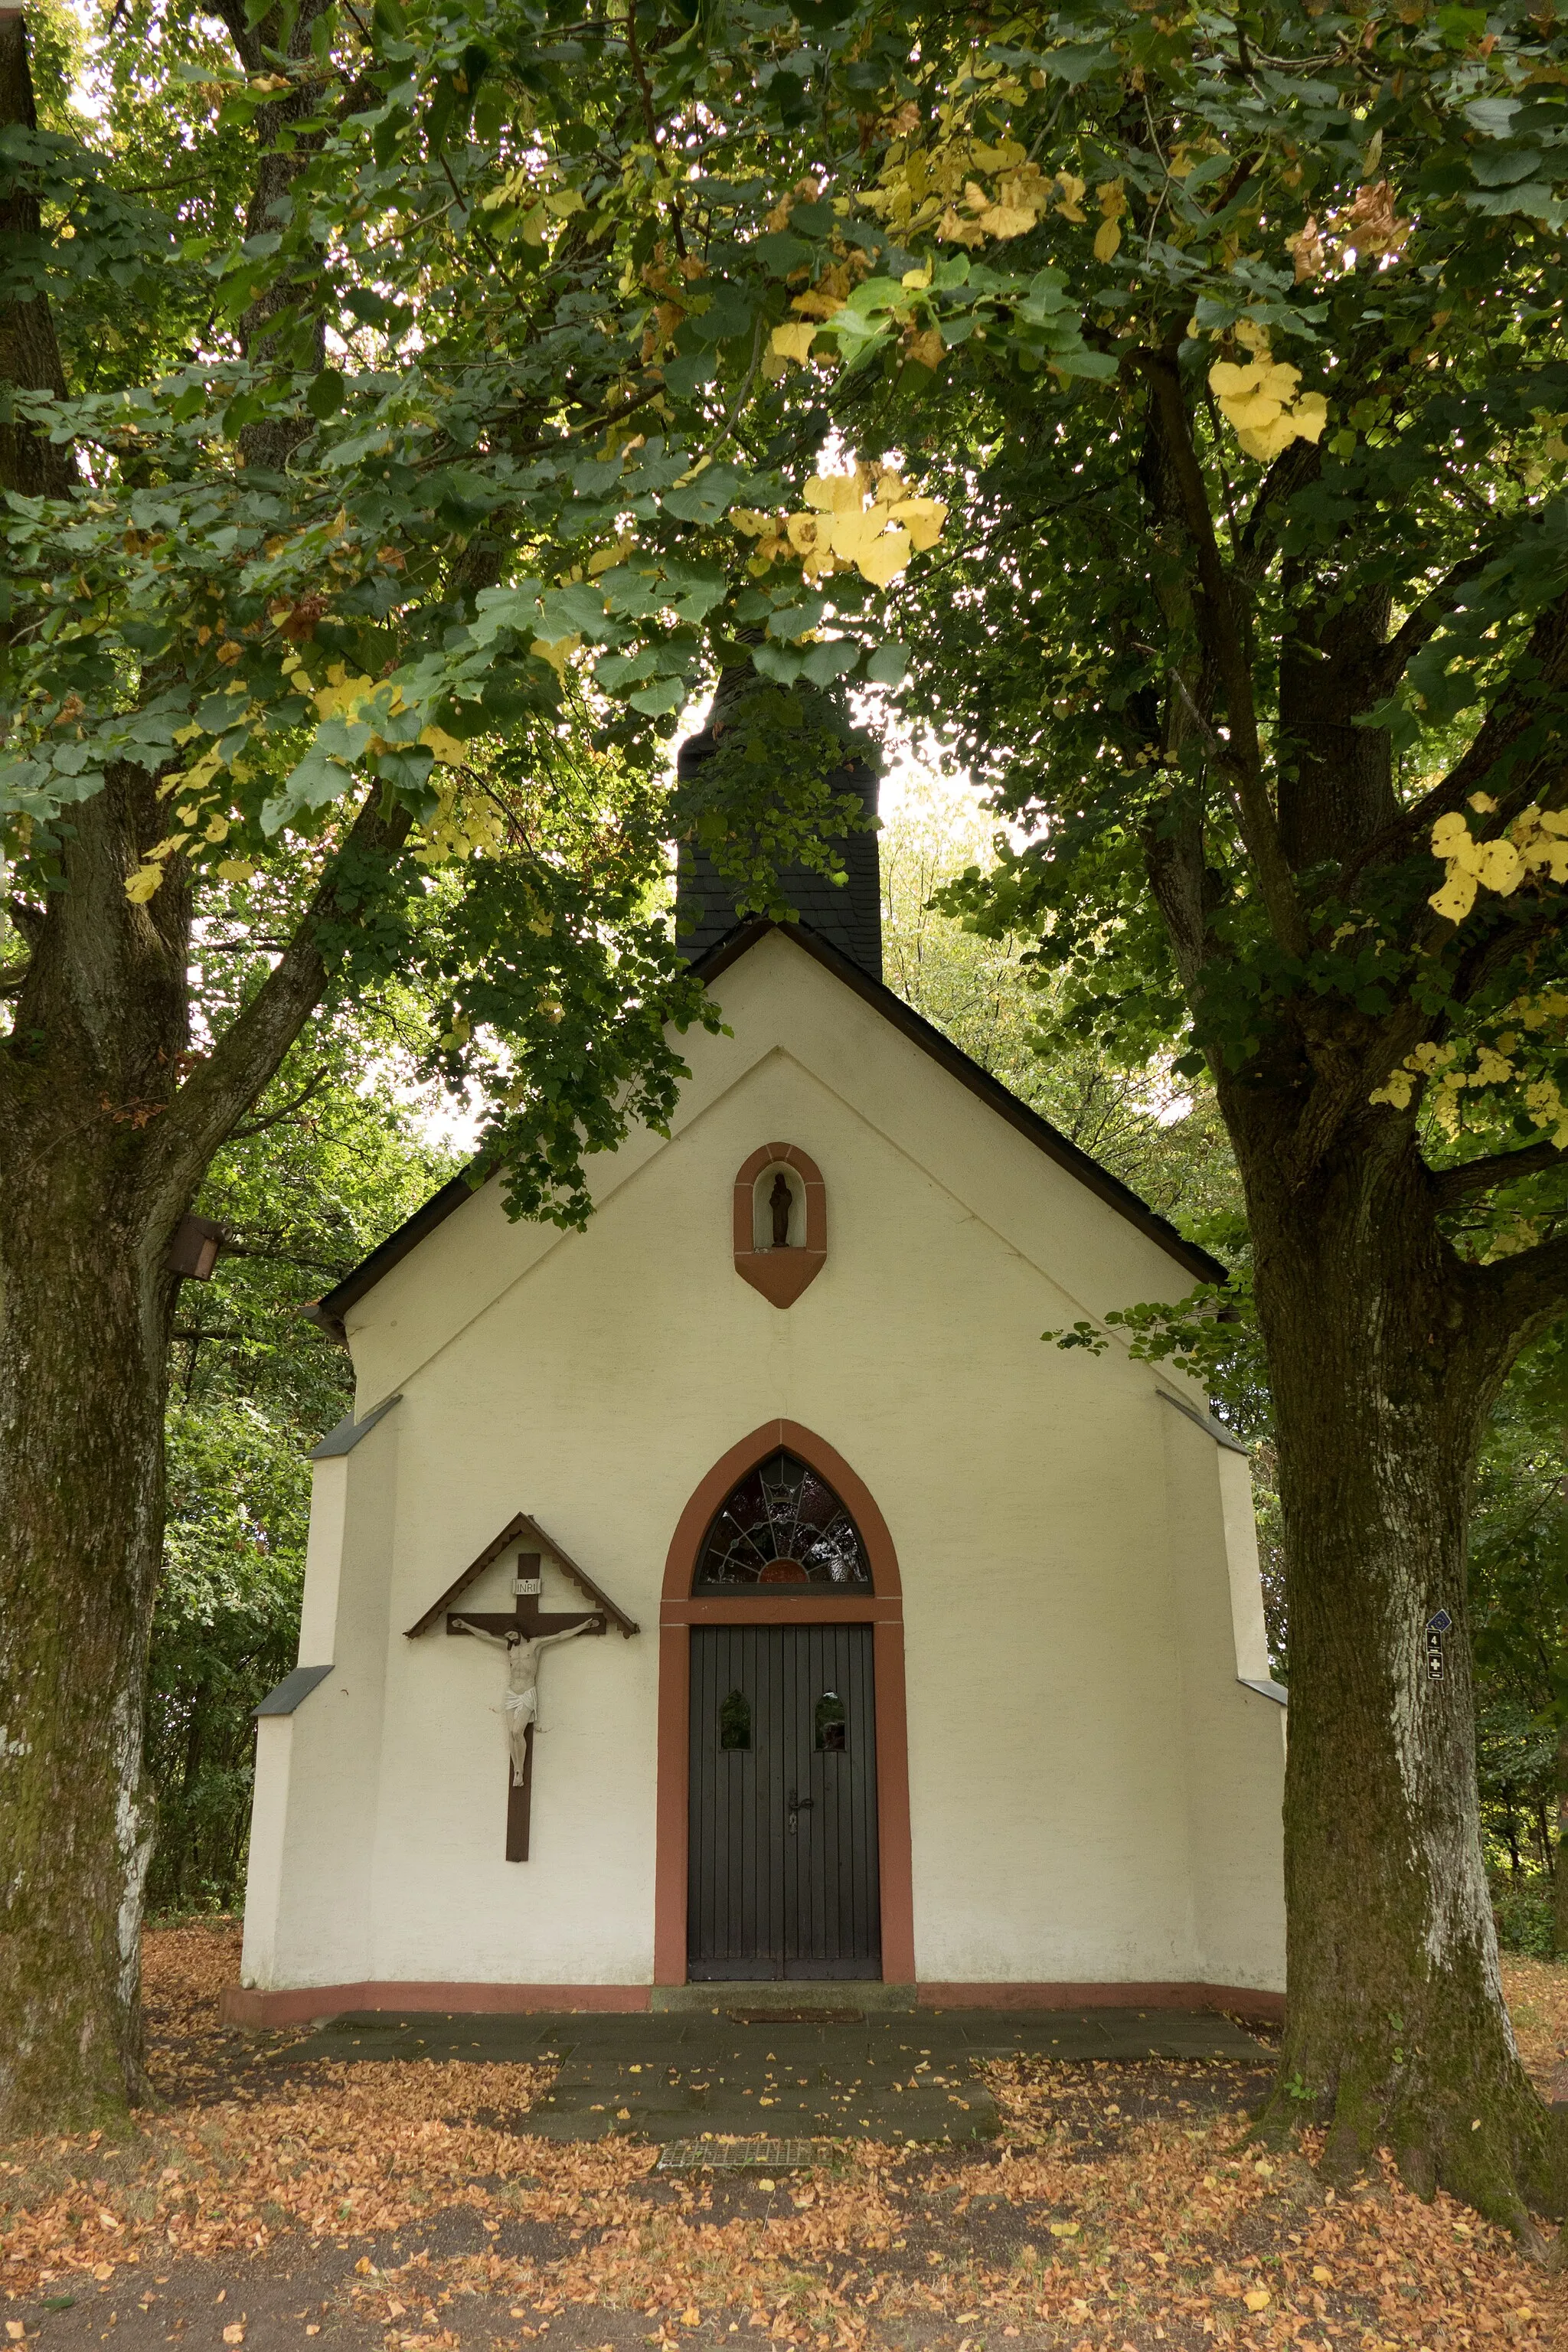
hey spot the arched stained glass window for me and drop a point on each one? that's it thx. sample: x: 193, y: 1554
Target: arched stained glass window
x: 782, y: 1524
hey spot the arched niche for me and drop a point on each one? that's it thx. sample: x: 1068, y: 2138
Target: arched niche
x: 780, y: 1221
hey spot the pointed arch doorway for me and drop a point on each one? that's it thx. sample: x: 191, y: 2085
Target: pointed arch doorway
x: 783, y: 1810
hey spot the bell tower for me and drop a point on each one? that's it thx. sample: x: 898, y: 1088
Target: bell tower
x: 847, y: 914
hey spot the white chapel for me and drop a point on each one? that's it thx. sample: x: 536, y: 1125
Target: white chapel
x: 899, y: 1646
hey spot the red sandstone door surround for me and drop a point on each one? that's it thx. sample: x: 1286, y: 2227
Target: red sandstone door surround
x: 883, y: 1611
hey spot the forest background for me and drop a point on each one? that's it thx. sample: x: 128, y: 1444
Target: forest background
x: 349, y: 1144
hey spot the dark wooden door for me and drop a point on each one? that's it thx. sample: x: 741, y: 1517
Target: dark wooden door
x: 783, y: 1872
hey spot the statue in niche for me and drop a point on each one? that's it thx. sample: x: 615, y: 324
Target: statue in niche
x: 521, y: 1704
x: 779, y: 1202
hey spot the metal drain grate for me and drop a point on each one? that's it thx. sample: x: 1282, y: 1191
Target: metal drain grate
x: 733, y: 2155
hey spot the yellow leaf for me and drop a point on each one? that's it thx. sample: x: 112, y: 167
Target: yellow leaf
x: 922, y: 518
x: 1310, y: 414
x: 235, y: 2332
x: 1106, y: 241
x: 1456, y: 898
x: 1483, y: 804
x: 1010, y: 220
x: 916, y: 279
x: 884, y: 557
x: 143, y: 883
x: 833, y: 494
x: 447, y: 750
x: 1064, y: 2228
x: 793, y: 342
x: 1502, y: 869
x: 1447, y: 830
x: 606, y: 557
x: 691, y: 2316
x: 927, y: 350
x: 953, y: 230
x: 1258, y: 2298
x: 999, y: 158
x: 802, y: 532
x: 236, y: 869
x: 1323, y: 2277
x: 1265, y: 441
x: 557, y: 651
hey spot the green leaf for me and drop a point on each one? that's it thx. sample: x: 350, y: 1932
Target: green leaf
x: 777, y: 662
x: 325, y: 396
x: 835, y: 659
x: 711, y: 495
x: 656, y: 700
x: 888, y: 665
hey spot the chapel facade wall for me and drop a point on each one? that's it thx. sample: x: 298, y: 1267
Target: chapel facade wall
x: 1094, y: 1798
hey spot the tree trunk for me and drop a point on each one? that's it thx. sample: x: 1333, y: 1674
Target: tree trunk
x: 81, y: 1409
x: 1384, y: 1355
x: 1560, y: 1874
x: 84, y: 1307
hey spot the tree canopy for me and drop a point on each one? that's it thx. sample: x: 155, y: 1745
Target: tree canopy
x: 1177, y: 396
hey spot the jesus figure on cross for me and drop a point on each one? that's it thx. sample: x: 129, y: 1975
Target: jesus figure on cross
x: 521, y: 1704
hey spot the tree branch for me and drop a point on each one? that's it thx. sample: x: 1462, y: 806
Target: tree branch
x: 30, y: 463
x: 1224, y: 644
x: 1452, y: 1185
x: 1530, y: 1290
x: 333, y: 1268
x: 1518, y: 710
x: 1294, y: 466
x: 275, y: 1119
x: 246, y: 1057
x: 1387, y: 666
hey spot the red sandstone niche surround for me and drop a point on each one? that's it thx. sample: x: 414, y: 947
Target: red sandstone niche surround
x: 781, y: 1274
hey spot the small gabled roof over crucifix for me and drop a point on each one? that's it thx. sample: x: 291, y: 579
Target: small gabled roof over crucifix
x: 527, y: 1530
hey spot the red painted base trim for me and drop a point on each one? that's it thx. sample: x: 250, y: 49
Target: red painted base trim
x: 297, y: 2005
x: 1236, y: 2001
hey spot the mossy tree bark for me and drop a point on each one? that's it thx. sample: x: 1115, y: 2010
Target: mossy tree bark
x: 1560, y: 1874
x: 107, y: 1123
x: 1385, y: 1350
x: 95, y: 1052
x: 1386, y: 1345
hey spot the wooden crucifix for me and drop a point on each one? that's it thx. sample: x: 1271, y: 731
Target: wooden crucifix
x: 522, y: 1633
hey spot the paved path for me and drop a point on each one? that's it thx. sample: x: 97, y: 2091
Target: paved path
x: 685, y: 2074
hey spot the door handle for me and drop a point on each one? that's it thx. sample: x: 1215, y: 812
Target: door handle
x: 799, y: 1805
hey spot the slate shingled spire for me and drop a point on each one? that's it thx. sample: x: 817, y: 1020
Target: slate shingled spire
x: 848, y: 914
